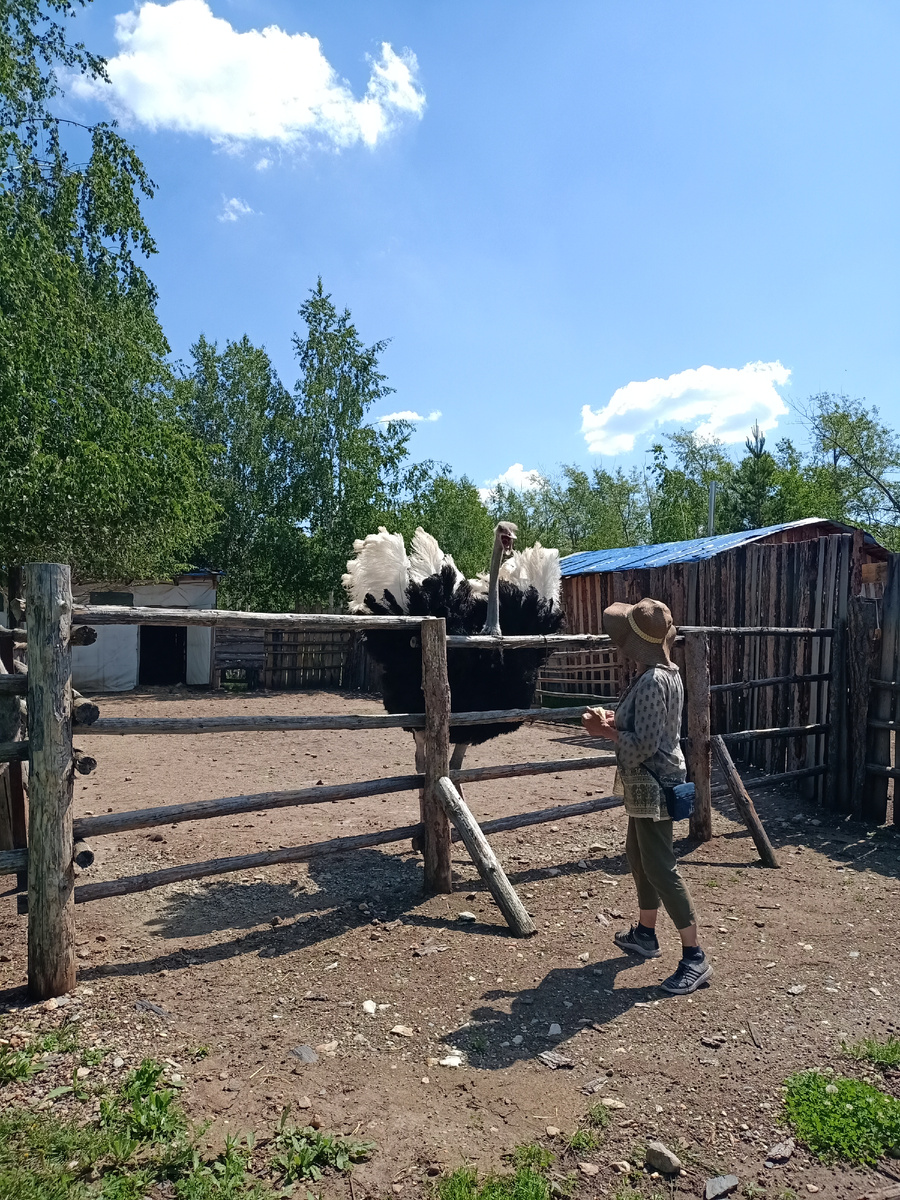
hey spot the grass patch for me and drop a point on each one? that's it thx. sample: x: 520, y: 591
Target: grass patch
x: 532, y: 1157
x: 142, y: 1146
x: 465, y: 1184
x: 881, y: 1054
x: 842, y: 1119
x: 16, y: 1065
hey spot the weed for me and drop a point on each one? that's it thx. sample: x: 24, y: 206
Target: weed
x: 712, y: 883
x: 584, y: 1141
x: 532, y: 1156
x: 881, y: 1054
x: 201, y: 1052
x: 306, y: 1153
x: 94, y: 1056
x: 478, y: 1043
x: 841, y: 1118
x: 143, y: 1110
x: 64, y: 1040
x: 15, y: 1065
x: 597, y: 1116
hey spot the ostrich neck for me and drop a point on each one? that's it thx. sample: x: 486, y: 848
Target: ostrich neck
x: 492, y: 623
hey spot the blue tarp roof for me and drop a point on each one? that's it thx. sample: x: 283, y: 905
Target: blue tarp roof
x: 634, y: 558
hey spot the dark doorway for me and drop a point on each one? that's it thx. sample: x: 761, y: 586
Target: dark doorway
x: 163, y: 655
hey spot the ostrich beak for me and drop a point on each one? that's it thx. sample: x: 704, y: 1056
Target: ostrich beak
x: 507, y: 533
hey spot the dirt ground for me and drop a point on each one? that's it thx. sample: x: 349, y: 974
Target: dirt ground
x: 252, y: 966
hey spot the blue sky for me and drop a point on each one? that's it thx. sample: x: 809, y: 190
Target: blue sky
x: 550, y: 209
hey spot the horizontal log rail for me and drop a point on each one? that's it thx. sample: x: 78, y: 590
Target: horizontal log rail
x: 13, y: 861
x: 874, y: 723
x: 572, y: 641
x: 758, y: 630
x: 755, y: 735
x: 267, y: 858
x: 757, y: 683
x: 878, y: 769
x: 767, y: 781
x: 13, y: 685
x: 226, y: 806
x: 891, y: 684
x: 13, y: 751
x: 278, y: 724
x: 222, y: 618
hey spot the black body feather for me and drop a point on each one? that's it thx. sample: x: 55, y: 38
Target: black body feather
x: 480, y: 680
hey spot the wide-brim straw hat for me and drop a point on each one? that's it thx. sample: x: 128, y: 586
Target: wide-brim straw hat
x: 644, y: 631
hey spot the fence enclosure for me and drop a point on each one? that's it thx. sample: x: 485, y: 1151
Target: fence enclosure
x: 803, y: 654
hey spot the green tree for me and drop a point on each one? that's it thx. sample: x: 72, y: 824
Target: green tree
x: 98, y: 469
x: 352, y: 471
x: 453, y: 512
x: 234, y: 402
x: 751, y: 499
x: 679, y: 502
x: 855, y: 463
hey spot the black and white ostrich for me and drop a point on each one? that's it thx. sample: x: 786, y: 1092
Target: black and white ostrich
x: 519, y: 595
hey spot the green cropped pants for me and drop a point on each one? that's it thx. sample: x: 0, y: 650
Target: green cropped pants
x: 651, y: 857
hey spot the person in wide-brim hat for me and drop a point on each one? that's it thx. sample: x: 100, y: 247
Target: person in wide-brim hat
x: 644, y: 631
x: 646, y: 731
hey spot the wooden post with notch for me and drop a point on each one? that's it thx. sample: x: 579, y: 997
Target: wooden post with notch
x: 484, y: 858
x: 696, y: 669
x: 51, y: 875
x: 435, y: 685
x: 744, y: 804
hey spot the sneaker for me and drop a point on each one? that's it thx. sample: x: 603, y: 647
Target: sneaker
x: 690, y: 974
x: 636, y: 942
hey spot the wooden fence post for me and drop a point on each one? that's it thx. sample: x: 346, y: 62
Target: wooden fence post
x: 51, y: 876
x: 696, y: 666
x: 435, y: 685
x: 837, y: 789
x: 861, y: 619
x: 883, y: 701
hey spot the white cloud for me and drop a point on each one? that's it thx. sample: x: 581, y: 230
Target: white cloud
x: 234, y: 209
x: 514, y: 477
x: 720, y: 402
x: 409, y: 415
x: 179, y: 67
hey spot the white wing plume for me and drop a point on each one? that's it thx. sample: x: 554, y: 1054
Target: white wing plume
x: 381, y: 564
x: 427, y: 558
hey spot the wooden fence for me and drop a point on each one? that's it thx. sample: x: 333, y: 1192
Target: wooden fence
x: 773, y: 682
x: 58, y: 845
x: 296, y: 658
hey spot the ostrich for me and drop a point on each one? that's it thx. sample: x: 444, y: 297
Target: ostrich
x: 520, y: 593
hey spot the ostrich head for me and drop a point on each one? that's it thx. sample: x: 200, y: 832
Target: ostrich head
x: 504, y: 539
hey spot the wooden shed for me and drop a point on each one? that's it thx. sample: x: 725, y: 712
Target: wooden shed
x: 800, y: 574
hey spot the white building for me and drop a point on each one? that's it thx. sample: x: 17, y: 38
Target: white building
x: 129, y: 656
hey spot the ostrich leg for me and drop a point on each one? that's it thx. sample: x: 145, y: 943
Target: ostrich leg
x: 456, y: 760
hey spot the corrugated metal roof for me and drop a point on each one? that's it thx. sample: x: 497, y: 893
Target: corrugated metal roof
x: 633, y: 558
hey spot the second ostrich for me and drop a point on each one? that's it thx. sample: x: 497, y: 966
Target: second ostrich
x: 519, y: 595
